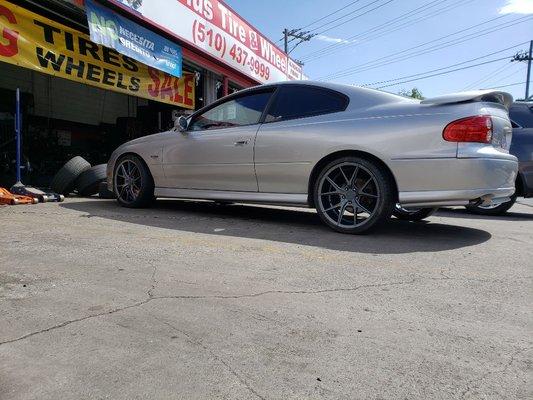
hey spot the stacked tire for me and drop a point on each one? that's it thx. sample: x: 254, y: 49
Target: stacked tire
x: 78, y: 175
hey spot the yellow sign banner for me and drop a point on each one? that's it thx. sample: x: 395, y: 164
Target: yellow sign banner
x: 32, y: 41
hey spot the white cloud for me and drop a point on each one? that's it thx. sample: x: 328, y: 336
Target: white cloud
x: 517, y: 7
x: 330, y: 39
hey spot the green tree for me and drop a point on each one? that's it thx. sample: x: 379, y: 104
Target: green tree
x: 414, y: 93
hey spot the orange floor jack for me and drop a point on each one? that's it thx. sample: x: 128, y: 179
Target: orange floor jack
x: 6, y: 197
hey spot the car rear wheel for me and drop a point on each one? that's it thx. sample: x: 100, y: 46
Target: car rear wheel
x: 412, y: 214
x: 353, y: 195
x: 492, y: 209
x: 132, y: 183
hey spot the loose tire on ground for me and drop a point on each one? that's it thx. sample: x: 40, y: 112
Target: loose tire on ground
x: 358, y: 184
x: 133, y: 183
x: 88, y: 182
x: 413, y: 215
x: 63, y: 182
x: 494, y: 210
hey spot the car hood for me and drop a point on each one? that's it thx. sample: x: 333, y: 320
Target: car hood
x: 149, y: 138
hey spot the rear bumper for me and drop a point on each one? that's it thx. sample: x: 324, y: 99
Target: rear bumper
x: 455, y: 197
x: 455, y: 182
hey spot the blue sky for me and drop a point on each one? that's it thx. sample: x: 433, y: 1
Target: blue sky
x: 449, y: 16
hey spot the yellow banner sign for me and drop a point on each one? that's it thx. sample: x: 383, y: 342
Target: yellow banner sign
x: 32, y: 41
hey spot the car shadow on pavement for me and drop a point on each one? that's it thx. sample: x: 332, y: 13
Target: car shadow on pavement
x: 464, y: 214
x: 298, y: 226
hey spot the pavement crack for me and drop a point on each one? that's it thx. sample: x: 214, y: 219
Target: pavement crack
x: 73, y: 321
x: 267, y: 292
x: 151, y: 297
x: 150, y: 292
x: 215, y: 356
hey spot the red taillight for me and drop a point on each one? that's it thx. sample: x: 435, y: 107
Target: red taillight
x: 472, y: 129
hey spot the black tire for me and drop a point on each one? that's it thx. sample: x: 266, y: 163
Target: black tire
x: 65, y: 179
x: 384, y: 195
x: 104, y: 192
x: 413, y: 215
x: 143, y: 195
x: 494, y: 211
x: 88, y: 182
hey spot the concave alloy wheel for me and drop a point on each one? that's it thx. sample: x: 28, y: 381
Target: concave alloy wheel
x: 128, y: 181
x: 132, y: 182
x: 349, y: 196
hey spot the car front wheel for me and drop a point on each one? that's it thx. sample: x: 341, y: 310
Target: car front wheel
x: 132, y: 182
x: 353, y: 195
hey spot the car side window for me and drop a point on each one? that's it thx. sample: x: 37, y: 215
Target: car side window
x: 239, y: 111
x: 293, y: 102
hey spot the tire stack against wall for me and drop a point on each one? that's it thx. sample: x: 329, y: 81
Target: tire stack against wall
x: 79, y: 176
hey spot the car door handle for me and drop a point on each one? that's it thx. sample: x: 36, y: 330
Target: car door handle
x: 241, y: 143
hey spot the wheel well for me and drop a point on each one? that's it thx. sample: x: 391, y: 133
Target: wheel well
x: 346, y: 153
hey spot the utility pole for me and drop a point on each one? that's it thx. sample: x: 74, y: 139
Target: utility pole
x: 529, y: 69
x: 526, y: 56
x: 295, y: 34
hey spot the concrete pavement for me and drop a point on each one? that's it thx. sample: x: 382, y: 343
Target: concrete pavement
x: 195, y: 301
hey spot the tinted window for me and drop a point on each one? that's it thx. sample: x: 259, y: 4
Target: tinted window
x: 522, y: 115
x: 301, y: 101
x: 245, y: 110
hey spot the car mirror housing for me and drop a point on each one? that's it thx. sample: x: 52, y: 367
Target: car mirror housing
x: 182, y: 124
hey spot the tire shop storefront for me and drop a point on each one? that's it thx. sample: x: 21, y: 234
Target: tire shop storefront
x: 95, y: 74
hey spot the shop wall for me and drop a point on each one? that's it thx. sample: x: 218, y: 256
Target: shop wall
x: 62, y: 99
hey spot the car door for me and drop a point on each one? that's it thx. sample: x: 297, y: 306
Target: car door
x: 291, y: 137
x: 216, y: 152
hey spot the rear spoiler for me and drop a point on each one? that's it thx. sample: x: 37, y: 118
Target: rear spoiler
x: 491, y: 96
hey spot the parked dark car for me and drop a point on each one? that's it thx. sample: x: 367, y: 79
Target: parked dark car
x: 521, y: 114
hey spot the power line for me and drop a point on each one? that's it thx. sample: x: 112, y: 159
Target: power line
x: 415, y: 11
x: 357, y: 16
x: 490, y: 77
x: 447, y: 67
x: 441, y: 73
x: 380, y: 61
x: 487, y: 77
x: 512, y: 74
x: 329, y: 15
x: 345, y: 15
x: 423, y: 44
x: 509, y: 85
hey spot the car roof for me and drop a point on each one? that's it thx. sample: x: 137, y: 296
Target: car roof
x: 353, y: 92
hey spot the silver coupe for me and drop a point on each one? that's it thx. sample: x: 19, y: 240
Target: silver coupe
x: 355, y: 155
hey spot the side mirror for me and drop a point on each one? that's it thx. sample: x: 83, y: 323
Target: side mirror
x: 182, y: 124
